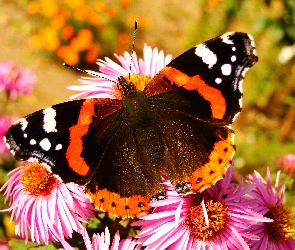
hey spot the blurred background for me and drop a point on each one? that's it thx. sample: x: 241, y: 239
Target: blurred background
x: 41, y: 35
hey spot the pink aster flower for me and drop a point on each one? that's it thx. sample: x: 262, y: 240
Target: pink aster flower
x: 45, y: 209
x: 15, y: 80
x: 217, y: 218
x: 103, y: 242
x: 288, y: 164
x: 277, y: 234
x: 4, y: 246
x: 5, y: 123
x: 141, y: 71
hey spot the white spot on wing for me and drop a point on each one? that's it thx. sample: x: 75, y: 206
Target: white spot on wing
x: 218, y: 80
x: 237, y: 114
x: 45, y: 144
x: 49, y: 122
x: 58, y: 147
x: 59, y: 178
x: 233, y: 58
x: 32, y: 142
x: 225, y: 38
x: 206, y: 54
x: 23, y: 122
x: 244, y: 72
x: 226, y: 69
x: 251, y: 40
x: 8, y: 145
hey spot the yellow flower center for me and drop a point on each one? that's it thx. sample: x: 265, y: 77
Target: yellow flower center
x: 140, y: 82
x: 281, y: 228
x: 37, y: 180
x: 217, y: 215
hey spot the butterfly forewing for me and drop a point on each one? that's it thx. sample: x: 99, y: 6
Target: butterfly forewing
x: 52, y: 136
x: 215, y: 70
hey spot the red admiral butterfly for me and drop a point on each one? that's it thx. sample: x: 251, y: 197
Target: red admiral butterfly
x: 180, y: 121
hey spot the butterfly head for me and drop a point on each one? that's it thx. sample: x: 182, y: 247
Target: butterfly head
x: 127, y: 88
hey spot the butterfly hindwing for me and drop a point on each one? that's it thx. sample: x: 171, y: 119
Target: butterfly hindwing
x: 127, y: 174
x: 123, y: 154
x: 197, y: 153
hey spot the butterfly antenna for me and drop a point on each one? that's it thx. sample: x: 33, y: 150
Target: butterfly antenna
x: 132, y: 50
x: 88, y: 72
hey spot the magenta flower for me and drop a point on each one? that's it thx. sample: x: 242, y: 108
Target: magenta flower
x: 289, y: 160
x: 45, y: 209
x: 277, y: 234
x: 5, y: 123
x: 4, y: 246
x: 141, y: 71
x: 15, y: 80
x: 103, y: 242
x: 217, y: 218
x: 288, y: 164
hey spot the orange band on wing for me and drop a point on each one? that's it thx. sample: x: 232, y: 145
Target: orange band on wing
x: 73, y: 154
x: 123, y: 207
x: 219, y: 161
x: 211, y: 94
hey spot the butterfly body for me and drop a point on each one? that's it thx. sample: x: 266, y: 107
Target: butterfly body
x: 179, y: 124
x: 136, y: 107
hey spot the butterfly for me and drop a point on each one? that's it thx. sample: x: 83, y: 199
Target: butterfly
x: 179, y: 124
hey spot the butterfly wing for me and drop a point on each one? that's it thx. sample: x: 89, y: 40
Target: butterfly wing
x: 92, y: 143
x: 54, y: 135
x: 214, y: 71
x: 197, y: 153
x: 195, y: 98
x: 127, y: 174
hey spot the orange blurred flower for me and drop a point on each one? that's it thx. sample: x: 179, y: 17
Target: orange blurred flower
x: 49, y: 7
x: 67, y: 32
x: 33, y: 8
x: 123, y: 43
x: 111, y: 12
x: 83, y: 13
x: 98, y: 6
x: 69, y: 55
x: 125, y: 3
x: 212, y: 4
x: 58, y: 21
x: 94, y: 20
x: 79, y: 29
x: 50, y: 39
x: 75, y: 4
x: 83, y: 40
x: 36, y: 42
x: 92, y: 55
x: 142, y: 21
